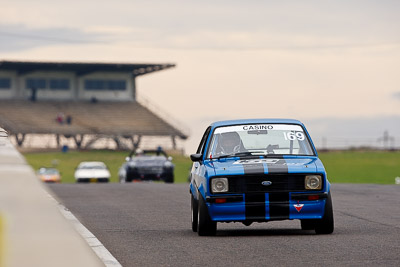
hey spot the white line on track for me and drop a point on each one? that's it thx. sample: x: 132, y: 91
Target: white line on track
x: 101, y: 251
x: 105, y: 256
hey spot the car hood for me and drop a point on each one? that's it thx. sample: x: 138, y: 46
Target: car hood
x: 146, y: 162
x: 235, y: 166
x: 92, y: 174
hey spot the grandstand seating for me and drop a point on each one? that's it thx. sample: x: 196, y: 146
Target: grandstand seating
x: 108, y: 118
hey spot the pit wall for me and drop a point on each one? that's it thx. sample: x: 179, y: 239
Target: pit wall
x: 33, y: 232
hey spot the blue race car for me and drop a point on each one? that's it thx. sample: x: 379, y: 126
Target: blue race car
x: 259, y: 170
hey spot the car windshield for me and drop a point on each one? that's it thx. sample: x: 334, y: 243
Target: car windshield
x: 149, y: 157
x: 92, y: 167
x: 259, y: 140
x: 48, y: 171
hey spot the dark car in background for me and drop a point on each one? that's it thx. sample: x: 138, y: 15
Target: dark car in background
x: 147, y: 165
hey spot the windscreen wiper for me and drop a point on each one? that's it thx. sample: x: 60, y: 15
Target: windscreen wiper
x: 239, y: 154
x: 273, y: 155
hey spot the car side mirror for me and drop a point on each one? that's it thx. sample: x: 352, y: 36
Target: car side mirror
x: 170, y: 158
x: 196, y: 157
x: 127, y: 159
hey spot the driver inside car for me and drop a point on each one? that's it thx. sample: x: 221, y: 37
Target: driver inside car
x: 229, y: 143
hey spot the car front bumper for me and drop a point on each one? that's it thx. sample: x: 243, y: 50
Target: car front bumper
x: 93, y: 180
x: 147, y: 176
x: 266, y: 206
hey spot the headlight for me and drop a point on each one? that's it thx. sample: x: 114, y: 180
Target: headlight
x: 132, y: 164
x: 219, y: 185
x: 168, y: 164
x: 313, y: 182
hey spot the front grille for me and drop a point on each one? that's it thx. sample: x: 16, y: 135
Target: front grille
x: 150, y: 170
x: 279, y: 183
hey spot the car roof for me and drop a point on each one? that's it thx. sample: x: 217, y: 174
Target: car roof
x: 250, y: 121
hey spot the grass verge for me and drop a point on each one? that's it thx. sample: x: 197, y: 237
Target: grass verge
x: 372, y: 167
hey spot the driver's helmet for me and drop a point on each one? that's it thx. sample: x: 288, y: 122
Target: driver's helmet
x: 230, y: 142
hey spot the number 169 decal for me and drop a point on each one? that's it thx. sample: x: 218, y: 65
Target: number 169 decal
x: 294, y: 136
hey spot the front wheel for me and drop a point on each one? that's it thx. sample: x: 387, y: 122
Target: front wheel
x: 326, y: 224
x: 194, y: 208
x: 205, y: 226
x: 169, y: 179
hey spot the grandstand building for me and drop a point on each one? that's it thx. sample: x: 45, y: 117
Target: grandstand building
x: 81, y: 103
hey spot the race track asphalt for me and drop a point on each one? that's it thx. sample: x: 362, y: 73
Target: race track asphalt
x: 148, y: 224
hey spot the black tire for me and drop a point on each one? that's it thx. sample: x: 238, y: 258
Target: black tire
x: 130, y: 176
x: 205, y: 226
x: 307, y: 224
x: 326, y: 224
x: 169, y: 179
x: 194, y: 209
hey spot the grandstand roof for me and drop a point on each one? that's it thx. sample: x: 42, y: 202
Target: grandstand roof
x: 107, y: 118
x: 23, y: 67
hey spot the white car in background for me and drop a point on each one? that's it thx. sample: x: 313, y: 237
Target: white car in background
x: 92, y: 171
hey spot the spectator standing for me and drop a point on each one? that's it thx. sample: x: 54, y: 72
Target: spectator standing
x: 68, y: 120
x: 60, y: 118
x: 33, y: 95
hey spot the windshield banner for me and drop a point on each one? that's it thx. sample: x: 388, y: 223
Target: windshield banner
x: 257, y: 127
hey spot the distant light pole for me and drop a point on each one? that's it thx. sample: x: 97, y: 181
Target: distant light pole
x: 387, y: 140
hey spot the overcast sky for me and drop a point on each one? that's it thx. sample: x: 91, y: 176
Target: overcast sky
x: 310, y: 60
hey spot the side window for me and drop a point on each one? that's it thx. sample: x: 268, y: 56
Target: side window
x: 59, y: 84
x: 5, y: 83
x: 38, y: 83
x: 200, y: 149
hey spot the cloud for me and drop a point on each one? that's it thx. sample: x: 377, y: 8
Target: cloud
x: 225, y: 24
x: 16, y: 37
